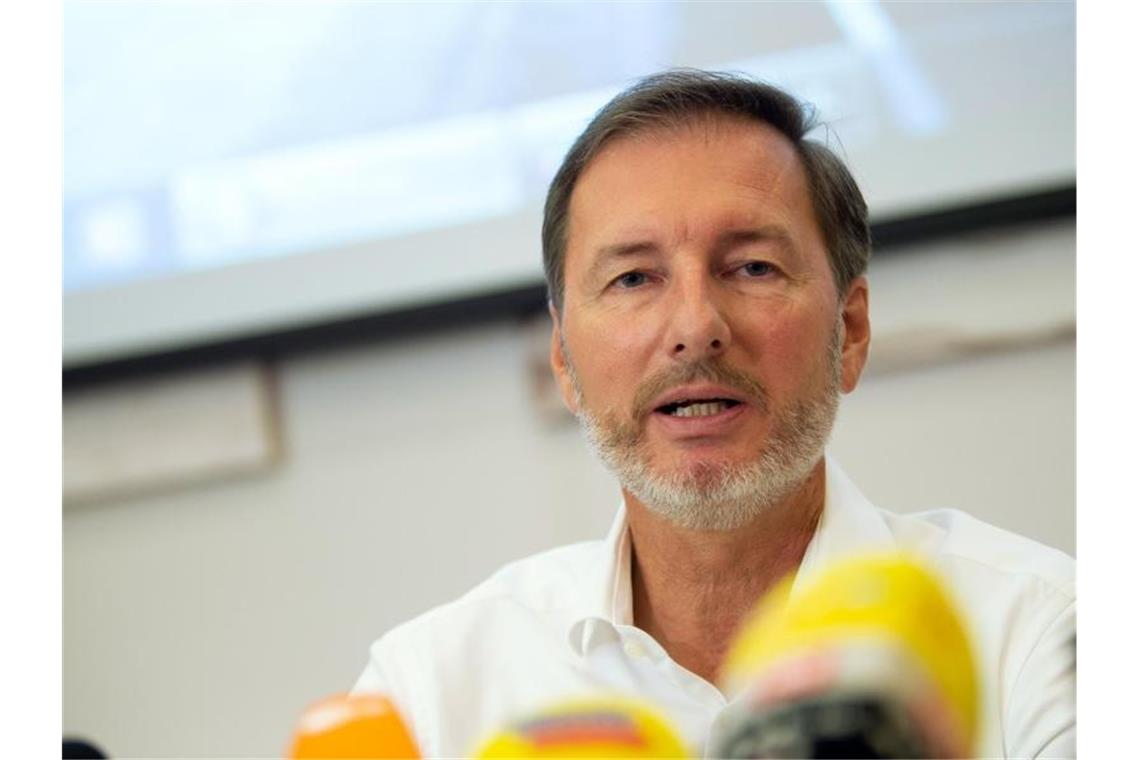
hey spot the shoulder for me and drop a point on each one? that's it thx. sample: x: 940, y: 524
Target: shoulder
x: 544, y: 580
x: 979, y: 550
x: 549, y: 581
x: 1020, y: 594
x: 540, y: 589
x: 1020, y: 600
x: 433, y: 663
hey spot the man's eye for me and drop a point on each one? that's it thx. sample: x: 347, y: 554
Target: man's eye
x: 757, y: 268
x: 631, y: 280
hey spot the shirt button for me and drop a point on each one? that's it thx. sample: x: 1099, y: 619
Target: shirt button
x: 633, y: 649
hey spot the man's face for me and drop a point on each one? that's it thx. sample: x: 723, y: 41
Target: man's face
x: 701, y: 340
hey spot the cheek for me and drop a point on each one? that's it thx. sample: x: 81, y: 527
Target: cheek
x: 612, y: 356
x: 788, y: 351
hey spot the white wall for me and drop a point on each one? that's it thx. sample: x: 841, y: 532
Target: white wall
x: 199, y: 622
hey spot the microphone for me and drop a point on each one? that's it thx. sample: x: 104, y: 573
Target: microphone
x: 870, y: 659
x: 612, y: 727
x: 81, y: 749
x: 352, y: 726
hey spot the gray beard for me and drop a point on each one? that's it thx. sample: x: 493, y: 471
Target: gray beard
x: 722, y: 496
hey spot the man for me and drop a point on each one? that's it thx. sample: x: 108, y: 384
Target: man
x: 705, y: 265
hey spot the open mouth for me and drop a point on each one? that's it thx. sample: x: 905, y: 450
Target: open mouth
x: 697, y: 407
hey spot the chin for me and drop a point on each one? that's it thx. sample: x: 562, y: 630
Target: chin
x: 702, y: 481
x: 708, y: 471
x: 717, y: 494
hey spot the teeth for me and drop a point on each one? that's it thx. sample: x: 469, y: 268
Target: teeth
x: 701, y: 410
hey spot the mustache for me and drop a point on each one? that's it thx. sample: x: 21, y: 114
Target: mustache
x: 713, y: 370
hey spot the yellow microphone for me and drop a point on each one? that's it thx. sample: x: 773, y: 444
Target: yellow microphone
x: 613, y: 727
x: 352, y: 726
x: 869, y: 659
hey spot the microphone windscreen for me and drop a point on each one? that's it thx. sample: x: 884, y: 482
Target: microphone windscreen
x: 872, y: 650
x: 614, y: 727
x: 81, y: 749
x: 352, y: 726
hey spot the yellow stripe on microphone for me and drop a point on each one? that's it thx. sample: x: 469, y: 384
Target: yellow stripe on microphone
x: 614, y: 727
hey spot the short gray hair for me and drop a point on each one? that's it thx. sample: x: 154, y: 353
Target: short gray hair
x: 680, y: 95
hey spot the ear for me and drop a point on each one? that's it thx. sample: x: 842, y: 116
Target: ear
x: 559, y: 362
x: 856, y: 333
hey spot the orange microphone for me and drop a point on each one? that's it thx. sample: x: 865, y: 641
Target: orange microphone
x: 352, y: 726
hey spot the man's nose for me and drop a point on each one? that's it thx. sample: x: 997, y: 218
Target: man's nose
x: 697, y: 325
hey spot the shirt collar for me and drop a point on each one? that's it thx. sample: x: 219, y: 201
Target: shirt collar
x: 607, y: 594
x: 849, y: 524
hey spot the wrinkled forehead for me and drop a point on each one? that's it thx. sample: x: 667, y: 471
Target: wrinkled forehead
x: 697, y: 176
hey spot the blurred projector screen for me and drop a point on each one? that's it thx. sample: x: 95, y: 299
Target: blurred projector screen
x: 239, y: 168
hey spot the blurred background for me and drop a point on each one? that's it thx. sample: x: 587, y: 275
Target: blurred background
x: 304, y: 349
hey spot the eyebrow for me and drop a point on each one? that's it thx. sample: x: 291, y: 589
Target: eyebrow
x: 726, y: 240
x: 607, y: 253
x: 769, y: 233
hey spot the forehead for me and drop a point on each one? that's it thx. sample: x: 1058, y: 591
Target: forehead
x: 684, y: 182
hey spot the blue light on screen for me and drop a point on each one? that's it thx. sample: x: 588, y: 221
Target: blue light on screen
x: 198, y: 134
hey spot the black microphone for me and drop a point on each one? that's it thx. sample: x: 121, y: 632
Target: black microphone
x: 81, y: 749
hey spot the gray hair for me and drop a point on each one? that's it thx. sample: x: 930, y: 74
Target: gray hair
x: 681, y: 95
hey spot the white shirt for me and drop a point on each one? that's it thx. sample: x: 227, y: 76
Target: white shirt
x: 560, y: 624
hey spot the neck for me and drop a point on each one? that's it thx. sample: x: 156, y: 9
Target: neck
x: 692, y: 588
